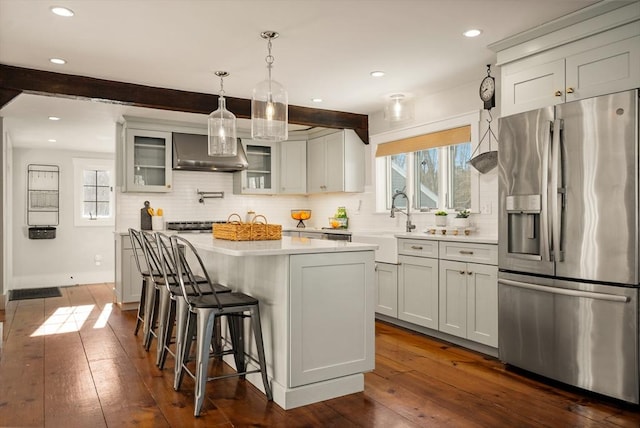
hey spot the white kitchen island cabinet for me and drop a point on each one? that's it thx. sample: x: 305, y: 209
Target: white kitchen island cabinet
x: 316, y: 308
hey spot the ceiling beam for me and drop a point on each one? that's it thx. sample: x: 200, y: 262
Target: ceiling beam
x: 15, y: 80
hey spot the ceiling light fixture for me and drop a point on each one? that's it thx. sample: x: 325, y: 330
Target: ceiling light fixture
x: 54, y: 118
x: 377, y: 73
x: 398, y: 108
x: 472, y: 33
x: 269, y: 104
x: 316, y: 100
x: 62, y: 11
x: 222, y: 126
x: 58, y: 61
x: 52, y: 140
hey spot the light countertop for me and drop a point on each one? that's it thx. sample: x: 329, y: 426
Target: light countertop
x: 474, y: 238
x: 286, y: 245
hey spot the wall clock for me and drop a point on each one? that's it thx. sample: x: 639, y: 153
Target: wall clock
x: 488, y: 90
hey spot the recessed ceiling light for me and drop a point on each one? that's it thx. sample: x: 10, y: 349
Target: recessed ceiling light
x: 51, y: 140
x: 316, y: 100
x: 377, y: 73
x: 57, y: 61
x: 62, y: 11
x: 472, y: 33
x: 54, y: 118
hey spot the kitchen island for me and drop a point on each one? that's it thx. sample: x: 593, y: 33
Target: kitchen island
x: 316, y: 307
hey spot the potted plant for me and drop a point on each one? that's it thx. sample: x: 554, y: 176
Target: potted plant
x: 441, y: 218
x: 462, y: 219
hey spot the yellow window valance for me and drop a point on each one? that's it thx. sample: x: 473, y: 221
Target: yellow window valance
x: 447, y: 137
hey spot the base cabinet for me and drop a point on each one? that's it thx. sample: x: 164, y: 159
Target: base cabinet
x: 418, y: 290
x: 128, y: 282
x: 386, y: 289
x: 469, y: 301
x: 331, y: 320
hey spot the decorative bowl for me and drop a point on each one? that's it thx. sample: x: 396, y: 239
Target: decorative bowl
x: 301, y: 215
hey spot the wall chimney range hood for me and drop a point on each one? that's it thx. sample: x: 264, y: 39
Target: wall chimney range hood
x: 190, y: 154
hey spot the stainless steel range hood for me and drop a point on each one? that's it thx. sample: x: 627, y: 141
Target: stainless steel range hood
x: 190, y: 154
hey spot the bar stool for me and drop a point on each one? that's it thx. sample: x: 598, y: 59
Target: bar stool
x: 138, y: 252
x: 173, y: 308
x: 158, y: 296
x: 204, y: 309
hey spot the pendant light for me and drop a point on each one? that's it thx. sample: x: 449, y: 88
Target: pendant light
x: 269, y: 104
x: 222, y: 126
x: 398, y: 108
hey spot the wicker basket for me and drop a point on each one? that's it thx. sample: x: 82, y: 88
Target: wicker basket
x: 265, y: 231
x: 233, y: 230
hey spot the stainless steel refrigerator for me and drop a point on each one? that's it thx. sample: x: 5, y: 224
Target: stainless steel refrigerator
x: 568, y: 243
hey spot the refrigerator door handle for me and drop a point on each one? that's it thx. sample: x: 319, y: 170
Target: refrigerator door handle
x: 566, y: 291
x: 545, y: 227
x: 556, y: 175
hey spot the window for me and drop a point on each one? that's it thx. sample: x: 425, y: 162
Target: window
x: 93, y: 195
x: 430, y: 166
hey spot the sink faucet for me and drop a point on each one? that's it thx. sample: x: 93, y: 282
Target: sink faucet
x: 410, y: 226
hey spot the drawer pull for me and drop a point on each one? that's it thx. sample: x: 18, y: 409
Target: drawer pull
x: 470, y: 253
x: 462, y: 272
x: 416, y: 247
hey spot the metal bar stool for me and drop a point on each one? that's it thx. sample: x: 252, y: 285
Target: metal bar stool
x: 138, y: 251
x: 173, y: 308
x: 204, y: 309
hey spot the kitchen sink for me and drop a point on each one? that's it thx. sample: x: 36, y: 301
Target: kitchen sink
x: 387, y: 251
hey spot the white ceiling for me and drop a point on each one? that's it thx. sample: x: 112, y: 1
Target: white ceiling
x: 326, y: 49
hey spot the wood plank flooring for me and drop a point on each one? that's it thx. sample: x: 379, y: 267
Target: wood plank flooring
x: 87, y: 369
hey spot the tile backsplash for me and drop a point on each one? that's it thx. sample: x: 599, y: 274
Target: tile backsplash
x: 182, y: 204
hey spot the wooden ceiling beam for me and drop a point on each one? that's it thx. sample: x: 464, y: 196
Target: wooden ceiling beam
x: 16, y: 80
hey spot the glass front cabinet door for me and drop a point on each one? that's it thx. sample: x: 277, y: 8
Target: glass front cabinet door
x: 148, y: 161
x: 260, y: 177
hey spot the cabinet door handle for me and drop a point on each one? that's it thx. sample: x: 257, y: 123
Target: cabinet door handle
x: 376, y: 267
x: 569, y: 90
x: 469, y: 273
x: 416, y: 247
x: 462, y: 272
x: 470, y: 253
x: 558, y: 93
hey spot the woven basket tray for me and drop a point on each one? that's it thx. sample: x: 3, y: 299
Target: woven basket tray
x: 232, y: 230
x: 236, y: 230
x: 265, y: 231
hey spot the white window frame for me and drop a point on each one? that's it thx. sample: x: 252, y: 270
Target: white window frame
x: 79, y: 166
x: 383, y: 196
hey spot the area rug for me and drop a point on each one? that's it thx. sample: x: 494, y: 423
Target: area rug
x: 34, y: 293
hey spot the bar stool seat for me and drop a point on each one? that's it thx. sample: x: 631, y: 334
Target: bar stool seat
x: 204, y: 310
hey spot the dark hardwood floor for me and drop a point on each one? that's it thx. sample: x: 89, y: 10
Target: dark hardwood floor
x: 73, y: 361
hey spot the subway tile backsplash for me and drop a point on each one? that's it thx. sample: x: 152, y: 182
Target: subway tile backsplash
x: 182, y: 204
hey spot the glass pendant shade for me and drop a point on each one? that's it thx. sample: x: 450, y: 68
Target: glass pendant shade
x: 222, y: 128
x: 269, y: 112
x: 269, y: 103
x: 398, y: 108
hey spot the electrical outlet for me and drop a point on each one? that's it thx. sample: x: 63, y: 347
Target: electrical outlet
x: 485, y: 208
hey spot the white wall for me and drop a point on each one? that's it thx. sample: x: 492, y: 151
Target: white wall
x: 69, y: 258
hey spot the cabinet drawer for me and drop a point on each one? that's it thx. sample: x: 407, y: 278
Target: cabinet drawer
x: 466, y: 252
x: 418, y: 247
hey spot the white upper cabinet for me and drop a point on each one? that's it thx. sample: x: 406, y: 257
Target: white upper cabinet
x: 147, y: 161
x: 335, y: 163
x: 261, y: 177
x: 597, y: 56
x: 611, y: 68
x: 293, y: 167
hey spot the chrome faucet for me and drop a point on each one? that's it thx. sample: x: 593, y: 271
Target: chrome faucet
x: 394, y: 210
